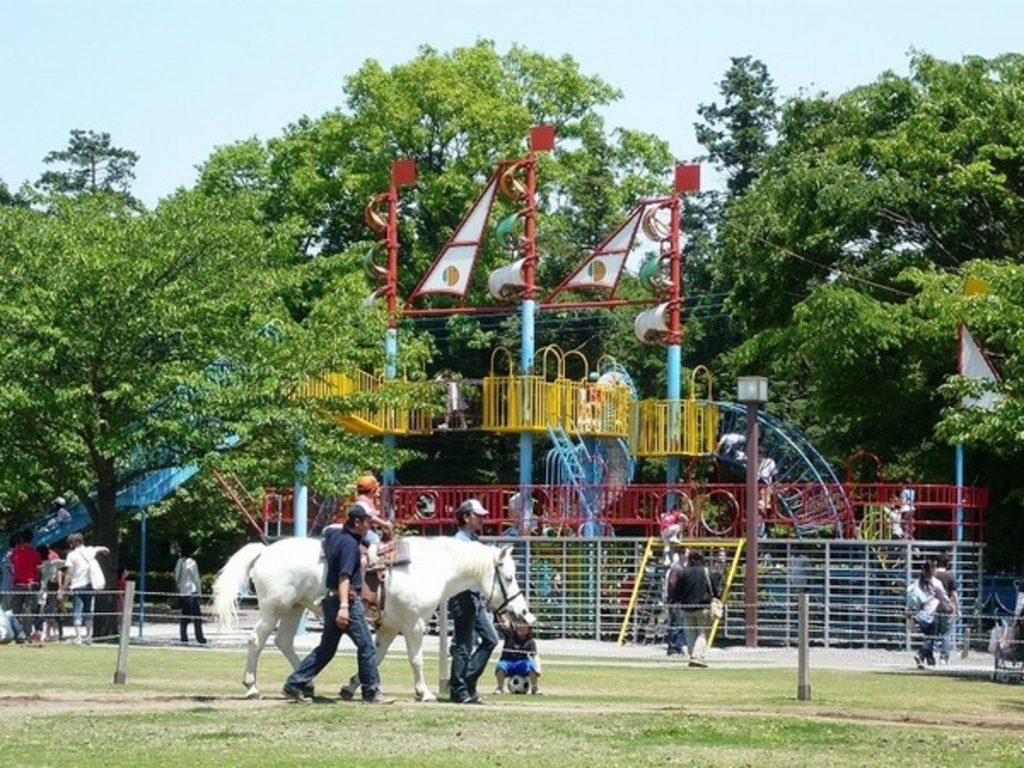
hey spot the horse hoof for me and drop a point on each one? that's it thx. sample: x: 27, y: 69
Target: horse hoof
x: 253, y: 693
x: 346, y: 694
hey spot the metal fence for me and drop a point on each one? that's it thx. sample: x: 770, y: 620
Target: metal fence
x: 593, y: 588
x: 584, y: 588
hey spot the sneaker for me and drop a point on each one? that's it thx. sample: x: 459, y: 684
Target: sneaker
x: 468, y: 700
x: 379, y: 698
x: 918, y: 661
x: 296, y: 694
x: 536, y: 691
x: 499, y: 691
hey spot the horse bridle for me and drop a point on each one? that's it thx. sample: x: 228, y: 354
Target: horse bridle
x: 504, y: 593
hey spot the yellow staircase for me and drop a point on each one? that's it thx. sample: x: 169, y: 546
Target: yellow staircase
x: 367, y: 421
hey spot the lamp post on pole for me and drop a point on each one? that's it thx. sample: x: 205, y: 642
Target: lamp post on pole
x: 751, y: 391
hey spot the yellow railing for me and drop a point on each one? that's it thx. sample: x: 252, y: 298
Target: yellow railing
x: 367, y: 421
x: 674, y: 428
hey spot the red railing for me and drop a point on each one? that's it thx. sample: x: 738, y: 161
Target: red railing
x: 711, y: 510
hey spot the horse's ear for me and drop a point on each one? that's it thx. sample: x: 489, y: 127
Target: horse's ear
x: 506, y: 551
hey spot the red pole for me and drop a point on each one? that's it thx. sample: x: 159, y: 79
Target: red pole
x: 402, y: 172
x: 542, y: 139
x: 675, y: 261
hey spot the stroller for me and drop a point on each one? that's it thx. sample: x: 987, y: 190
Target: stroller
x: 1006, y: 647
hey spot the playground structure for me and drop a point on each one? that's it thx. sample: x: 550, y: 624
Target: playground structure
x: 587, y: 528
x: 589, y: 412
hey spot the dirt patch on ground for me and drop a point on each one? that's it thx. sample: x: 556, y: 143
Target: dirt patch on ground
x: 55, y: 703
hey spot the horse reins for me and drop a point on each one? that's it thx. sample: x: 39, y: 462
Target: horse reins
x: 504, y: 593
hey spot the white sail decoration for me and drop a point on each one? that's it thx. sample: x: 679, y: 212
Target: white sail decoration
x: 651, y: 324
x: 451, y: 270
x: 507, y: 281
x: 604, y: 267
x: 974, y: 364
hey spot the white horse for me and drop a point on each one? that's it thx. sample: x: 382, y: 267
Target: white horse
x: 289, y: 579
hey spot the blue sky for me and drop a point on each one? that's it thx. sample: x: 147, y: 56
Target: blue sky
x: 173, y: 79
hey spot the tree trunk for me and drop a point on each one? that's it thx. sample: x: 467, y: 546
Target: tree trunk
x: 105, y: 534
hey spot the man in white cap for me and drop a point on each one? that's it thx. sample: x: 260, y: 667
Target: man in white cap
x: 474, y: 636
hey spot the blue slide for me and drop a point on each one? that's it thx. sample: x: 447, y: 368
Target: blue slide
x: 146, y: 489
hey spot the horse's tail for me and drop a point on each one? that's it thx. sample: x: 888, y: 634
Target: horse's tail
x: 230, y: 581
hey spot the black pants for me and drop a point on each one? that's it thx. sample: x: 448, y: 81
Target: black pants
x: 190, y: 612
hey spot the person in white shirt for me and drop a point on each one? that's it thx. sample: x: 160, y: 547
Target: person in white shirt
x: 926, y: 597
x: 78, y: 580
x: 186, y: 576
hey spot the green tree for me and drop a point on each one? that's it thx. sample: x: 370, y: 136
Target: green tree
x: 737, y: 134
x: 92, y: 163
x: 457, y: 114
x: 8, y: 198
x: 133, y: 341
x: 843, y: 258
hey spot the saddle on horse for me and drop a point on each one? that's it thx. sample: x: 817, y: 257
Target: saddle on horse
x: 390, y: 553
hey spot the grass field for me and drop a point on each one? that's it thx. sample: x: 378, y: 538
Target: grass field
x: 183, y: 707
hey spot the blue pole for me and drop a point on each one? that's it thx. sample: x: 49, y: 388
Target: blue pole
x: 300, y: 500
x: 959, y: 493
x: 390, y: 372
x: 526, y: 366
x: 300, y: 509
x: 142, y: 570
x: 675, y: 363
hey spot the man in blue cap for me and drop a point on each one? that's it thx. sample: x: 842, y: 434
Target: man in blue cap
x: 474, y: 636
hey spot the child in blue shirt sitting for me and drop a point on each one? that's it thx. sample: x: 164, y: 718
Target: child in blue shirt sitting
x: 519, y: 657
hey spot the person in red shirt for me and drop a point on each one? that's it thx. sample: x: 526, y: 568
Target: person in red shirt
x: 672, y: 523
x: 25, y: 562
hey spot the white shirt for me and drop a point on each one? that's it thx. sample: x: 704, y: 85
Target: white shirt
x: 186, y: 574
x: 78, y: 563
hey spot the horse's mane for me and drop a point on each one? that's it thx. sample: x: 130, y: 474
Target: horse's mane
x: 479, y: 557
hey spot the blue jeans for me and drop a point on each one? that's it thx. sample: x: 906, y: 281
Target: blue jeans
x: 81, y: 606
x: 676, y: 635
x: 472, y: 626
x: 24, y: 605
x: 945, y: 632
x: 321, y: 656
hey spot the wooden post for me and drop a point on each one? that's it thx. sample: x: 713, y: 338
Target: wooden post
x: 803, y: 685
x: 121, y: 672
